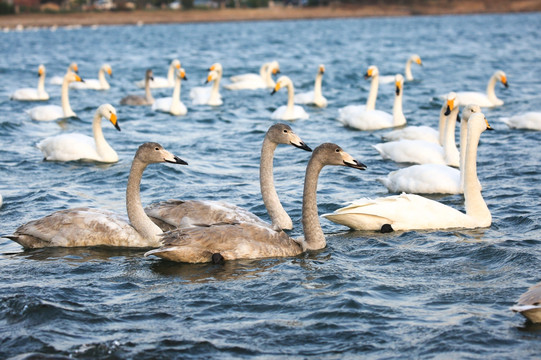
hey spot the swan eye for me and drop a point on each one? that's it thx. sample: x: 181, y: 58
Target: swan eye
x: 157, y: 149
x: 285, y: 131
x: 337, y: 150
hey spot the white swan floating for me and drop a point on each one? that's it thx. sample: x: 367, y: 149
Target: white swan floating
x: 58, y: 80
x: 95, y: 84
x: 387, y: 79
x: 488, y: 99
x: 172, y: 104
x: 158, y: 82
x: 263, y: 80
x: 529, y: 304
x: 314, y: 97
x: 529, y: 121
x: 95, y: 227
x: 137, y: 100
x: 209, y: 95
x: 54, y: 112
x: 414, y: 212
x: 73, y: 147
x: 289, y: 111
x: 252, y: 241
x: 33, y: 94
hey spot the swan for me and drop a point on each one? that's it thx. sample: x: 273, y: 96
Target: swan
x: 529, y: 304
x: 173, y: 104
x: 177, y: 213
x: 530, y: 121
x: 352, y: 111
x: 289, y: 111
x: 432, y: 178
x: 209, y: 95
x: 314, y: 97
x: 162, y: 82
x: 263, y: 80
x: 409, y: 76
x: 54, y: 112
x: 364, y: 119
x: 33, y: 94
x: 251, y: 241
x: 424, y: 152
x: 95, y: 227
x: 96, y: 84
x: 72, y: 147
x: 414, y: 212
x: 138, y: 99
x: 484, y: 100
x: 58, y: 80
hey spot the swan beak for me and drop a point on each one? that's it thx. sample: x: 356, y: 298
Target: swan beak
x: 78, y: 78
x: 301, y: 145
x: 368, y: 74
x: 76, y: 68
x: 114, y: 121
x: 419, y: 62
x: 40, y: 71
x: 322, y: 69
x: 349, y: 161
x: 275, y: 71
x: 450, y: 106
x: 488, y: 125
x: 175, y: 160
x: 504, y: 82
x: 151, y: 78
x: 276, y: 88
x: 398, y: 87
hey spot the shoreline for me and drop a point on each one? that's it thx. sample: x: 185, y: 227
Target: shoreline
x: 262, y: 14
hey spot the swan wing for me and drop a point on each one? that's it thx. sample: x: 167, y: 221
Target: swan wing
x: 356, y: 116
x: 424, y: 133
x: 246, y: 77
x: 424, y: 179
x: 29, y: 94
x: 162, y: 104
x: 247, y: 85
x: 200, y: 95
x: 156, y: 83
x: 69, y: 147
x: 89, y: 84
x: 471, y: 97
x: 412, y: 151
x: 46, y: 113
x: 530, y: 120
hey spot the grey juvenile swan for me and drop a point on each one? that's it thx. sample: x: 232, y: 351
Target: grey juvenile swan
x: 138, y: 99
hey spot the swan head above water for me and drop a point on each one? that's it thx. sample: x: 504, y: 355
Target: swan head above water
x: 399, y: 83
x: 213, y: 75
x: 181, y: 73
x: 107, y: 68
x: 73, y: 67
x: 109, y: 112
x: 283, y: 81
x: 469, y: 110
x: 451, y: 103
x: 500, y: 76
x: 283, y: 134
x: 321, y: 69
x: 332, y: 154
x: 416, y: 59
x: 41, y: 70
x: 216, y: 67
x: 152, y: 153
x: 372, y: 72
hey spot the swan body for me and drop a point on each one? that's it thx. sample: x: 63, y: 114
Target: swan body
x: 252, y: 241
x: 407, y: 72
x: 94, y: 227
x: 162, y: 82
x: 58, y: 80
x: 414, y: 212
x: 488, y: 99
x: 172, y: 104
x: 314, y: 97
x: 54, y: 112
x: 96, y: 84
x: 529, y: 304
x: 209, y: 95
x: 137, y: 100
x: 289, y: 111
x: 530, y: 121
x: 263, y: 80
x: 73, y: 147
x: 33, y: 94
x: 177, y: 213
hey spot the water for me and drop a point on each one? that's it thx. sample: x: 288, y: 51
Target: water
x: 440, y: 294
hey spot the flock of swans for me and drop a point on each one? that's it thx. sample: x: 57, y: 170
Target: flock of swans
x: 211, y: 231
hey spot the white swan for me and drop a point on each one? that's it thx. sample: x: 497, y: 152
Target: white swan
x: 529, y: 304
x: 172, y: 104
x: 209, y: 95
x: 95, y: 227
x: 353, y: 111
x: 263, y: 80
x: 414, y: 212
x: 364, y: 119
x: 137, y: 100
x: 33, y: 94
x: 162, y: 82
x: 58, y: 80
x: 408, y: 75
x: 96, y: 84
x: 314, y: 97
x: 251, y: 241
x: 72, y: 147
x: 54, y: 112
x: 178, y: 213
x: 488, y: 99
x: 289, y: 111
x: 530, y: 121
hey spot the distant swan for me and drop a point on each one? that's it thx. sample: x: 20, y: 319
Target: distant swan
x: 314, y: 97
x: 95, y: 227
x: 96, y: 84
x: 209, y: 95
x: 263, y: 80
x: 530, y: 121
x: 72, y: 147
x: 253, y: 241
x: 408, y: 75
x: 54, y: 112
x: 529, y: 304
x: 289, y: 111
x: 138, y: 99
x: 488, y: 99
x: 179, y: 213
x: 33, y: 94
x: 172, y: 104
x: 162, y: 82
x: 414, y: 212
x: 58, y: 80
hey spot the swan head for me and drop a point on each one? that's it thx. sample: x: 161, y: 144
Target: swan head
x: 282, y: 82
x: 469, y: 110
x: 478, y: 122
x: 274, y: 67
x: 321, y: 69
x: 216, y: 67
x: 72, y: 77
x: 73, y: 67
x: 108, y: 69
x: 416, y: 59
x: 41, y: 70
x: 283, y: 134
x: 149, y: 75
x: 399, y: 83
x: 175, y: 63
x: 450, y: 103
x: 500, y: 75
x: 332, y: 154
x: 372, y: 72
x: 152, y: 153
x: 213, y: 75
x: 109, y: 112
x: 181, y: 74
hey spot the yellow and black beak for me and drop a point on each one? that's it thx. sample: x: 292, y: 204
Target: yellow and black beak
x: 114, y: 121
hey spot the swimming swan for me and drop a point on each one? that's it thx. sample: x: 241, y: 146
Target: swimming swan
x: 73, y: 147
x: 314, y: 97
x: 289, y: 111
x: 209, y: 95
x: 253, y: 241
x: 363, y: 119
x: 162, y: 82
x: 33, y: 94
x: 173, y: 104
x: 263, y: 80
x: 96, y: 84
x: 409, y: 76
x: 414, y: 212
x: 529, y: 304
x: 530, y: 121
x: 138, y: 99
x: 484, y: 100
x: 178, y: 213
x: 54, y: 112
x: 95, y: 227
x: 58, y: 80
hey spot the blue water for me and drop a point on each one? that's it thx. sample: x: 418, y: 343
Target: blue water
x: 428, y: 294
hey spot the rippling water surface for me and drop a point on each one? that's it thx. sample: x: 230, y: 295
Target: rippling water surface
x: 433, y: 294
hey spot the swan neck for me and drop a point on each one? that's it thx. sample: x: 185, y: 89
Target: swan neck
x: 176, y: 93
x: 373, y: 94
x: 268, y: 78
x: 290, y: 98
x: 313, y: 234
x: 317, y: 86
x: 214, y: 93
x: 463, y: 145
x: 263, y: 71
x: 474, y: 202
x: 409, y: 75
x: 449, y: 143
x: 398, y: 113
x: 491, y: 94
x: 171, y: 74
x: 66, y: 108
x: 441, y: 125
x: 104, y: 150
x: 103, y: 81
x: 148, y: 94
x: 41, y: 83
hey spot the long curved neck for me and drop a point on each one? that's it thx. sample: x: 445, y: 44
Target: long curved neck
x: 408, y: 74
x: 66, y: 108
x: 175, y: 101
x: 215, y: 92
x: 41, y: 83
x: 148, y: 94
x: 171, y: 74
x: 139, y: 220
x: 441, y: 125
x: 103, y: 149
x: 373, y: 94
x: 398, y: 114
x: 103, y: 81
x: 263, y: 71
x: 474, y: 202
x: 290, y: 99
x: 313, y: 234
x: 317, y: 85
x: 490, y: 89
x: 463, y: 145
x: 268, y: 78
x: 449, y: 142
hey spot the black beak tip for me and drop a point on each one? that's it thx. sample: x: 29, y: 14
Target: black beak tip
x: 506, y: 85
x: 82, y: 80
x: 447, y: 111
x: 490, y: 128
x: 185, y: 78
x: 397, y: 91
x: 117, y: 127
x: 356, y: 165
x: 302, y: 146
x: 177, y: 161
x: 273, y: 92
